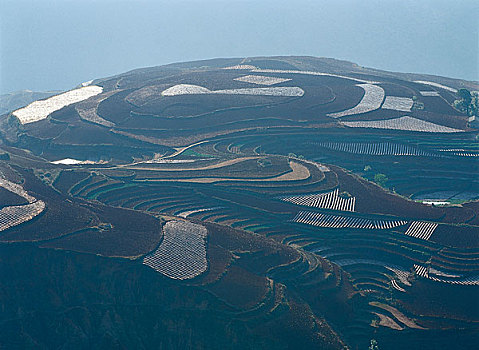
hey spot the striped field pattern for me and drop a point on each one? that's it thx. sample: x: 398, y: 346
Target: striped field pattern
x: 396, y: 286
x: 338, y: 221
x: 421, y: 229
x: 328, y: 200
x: 376, y: 149
x: 459, y: 152
x: 465, y: 281
x: 421, y: 271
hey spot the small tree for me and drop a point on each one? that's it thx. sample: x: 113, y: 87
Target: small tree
x: 373, y: 345
x: 380, y: 179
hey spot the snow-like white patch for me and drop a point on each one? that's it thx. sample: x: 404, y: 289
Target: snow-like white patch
x: 39, y: 110
x: 187, y: 89
x: 372, y: 99
x: 429, y: 93
x: 436, y: 202
x: 261, y: 80
x: 305, y: 72
x: 70, y: 161
x: 87, y: 83
x: 67, y: 161
x: 403, y: 123
x: 241, y: 66
x: 182, y: 253
x: 431, y: 83
x: 403, y: 104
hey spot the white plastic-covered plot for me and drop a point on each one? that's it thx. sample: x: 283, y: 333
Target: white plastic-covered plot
x: 429, y: 93
x: 431, y: 83
x: 17, y: 214
x: 187, y: 89
x: 403, y: 123
x: 261, y: 80
x: 372, y: 99
x: 314, y: 73
x: 403, y: 104
x: 241, y: 66
x: 41, y: 109
x: 182, y: 253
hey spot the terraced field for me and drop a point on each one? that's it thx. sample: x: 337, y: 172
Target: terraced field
x: 291, y: 202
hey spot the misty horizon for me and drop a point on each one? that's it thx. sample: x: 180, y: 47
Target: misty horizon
x: 59, y: 45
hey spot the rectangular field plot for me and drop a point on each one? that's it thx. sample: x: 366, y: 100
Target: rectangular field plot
x: 329, y: 200
x: 403, y: 104
x: 372, y: 99
x: 429, y: 93
x: 405, y: 123
x: 182, y: 253
x: 338, y: 221
x: 261, y: 80
x: 39, y: 110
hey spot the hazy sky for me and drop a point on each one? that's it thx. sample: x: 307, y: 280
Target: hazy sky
x: 57, y: 44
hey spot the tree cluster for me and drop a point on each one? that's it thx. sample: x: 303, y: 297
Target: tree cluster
x: 468, y: 102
